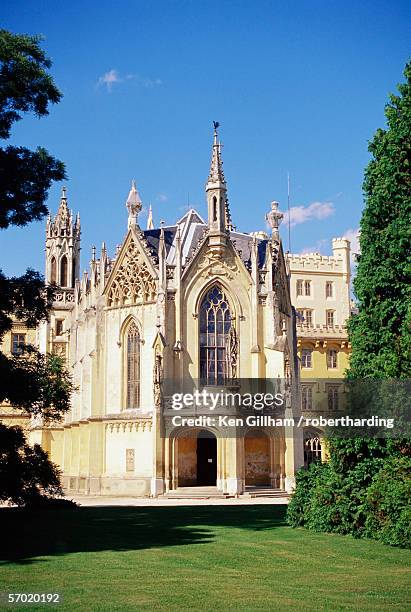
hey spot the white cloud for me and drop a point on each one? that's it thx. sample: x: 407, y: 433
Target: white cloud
x: 353, y: 235
x: 161, y: 197
x: 317, y: 248
x: 112, y: 77
x: 150, y: 82
x: 109, y: 79
x: 315, y: 210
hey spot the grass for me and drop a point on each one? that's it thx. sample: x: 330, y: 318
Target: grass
x: 198, y: 558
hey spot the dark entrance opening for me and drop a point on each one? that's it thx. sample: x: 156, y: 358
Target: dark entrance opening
x: 206, y: 459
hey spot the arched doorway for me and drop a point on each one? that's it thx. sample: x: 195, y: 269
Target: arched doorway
x: 197, y: 458
x: 257, y: 459
x: 206, y: 459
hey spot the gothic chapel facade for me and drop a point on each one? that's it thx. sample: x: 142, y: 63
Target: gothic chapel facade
x: 173, y: 302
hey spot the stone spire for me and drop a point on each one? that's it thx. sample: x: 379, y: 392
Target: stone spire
x: 63, y: 214
x: 216, y: 190
x: 63, y: 246
x: 150, y: 224
x: 133, y: 205
x: 216, y: 175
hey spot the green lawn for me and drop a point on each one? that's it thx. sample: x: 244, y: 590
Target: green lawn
x: 201, y: 558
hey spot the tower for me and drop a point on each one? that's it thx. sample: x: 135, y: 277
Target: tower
x: 216, y: 189
x: 63, y: 246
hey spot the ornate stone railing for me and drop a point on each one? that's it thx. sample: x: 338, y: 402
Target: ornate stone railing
x: 313, y: 331
x: 64, y: 296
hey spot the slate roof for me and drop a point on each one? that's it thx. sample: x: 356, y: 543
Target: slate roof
x: 192, y: 228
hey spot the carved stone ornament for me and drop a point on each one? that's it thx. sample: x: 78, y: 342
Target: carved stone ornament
x: 232, y: 350
x: 60, y: 349
x: 157, y: 379
x: 214, y: 263
x: 133, y: 283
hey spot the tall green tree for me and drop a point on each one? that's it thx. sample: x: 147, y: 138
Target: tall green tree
x: 35, y: 383
x: 365, y: 487
x: 381, y: 332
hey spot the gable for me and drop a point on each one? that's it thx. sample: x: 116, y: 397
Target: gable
x: 133, y: 278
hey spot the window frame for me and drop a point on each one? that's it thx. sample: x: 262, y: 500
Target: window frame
x: 128, y: 403
x: 304, y: 353
x: 330, y: 313
x: 333, y: 397
x: 332, y: 363
x: 205, y: 350
x: 329, y: 285
x: 306, y: 397
x: 15, y: 350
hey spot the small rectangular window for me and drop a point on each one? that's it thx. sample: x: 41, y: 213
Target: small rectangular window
x: 332, y: 398
x: 309, y: 318
x: 59, y: 327
x: 332, y: 359
x: 306, y: 358
x: 17, y: 343
x: 299, y: 287
x: 307, y: 287
x: 330, y: 318
x: 306, y: 397
x: 329, y: 289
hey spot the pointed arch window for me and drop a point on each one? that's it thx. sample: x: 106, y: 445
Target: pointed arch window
x: 214, y: 208
x: 53, y: 271
x: 215, y: 325
x: 63, y: 271
x: 133, y: 367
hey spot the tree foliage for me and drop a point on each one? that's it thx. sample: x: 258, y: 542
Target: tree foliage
x: 26, y: 473
x: 381, y: 332
x: 365, y: 489
x: 25, y: 86
x: 35, y: 383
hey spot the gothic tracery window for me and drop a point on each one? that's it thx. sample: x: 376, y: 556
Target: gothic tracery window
x: 63, y: 271
x: 215, y: 325
x: 133, y: 367
x: 53, y: 275
x: 312, y: 448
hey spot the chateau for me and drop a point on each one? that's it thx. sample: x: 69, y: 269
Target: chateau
x: 195, y: 300
x: 320, y: 292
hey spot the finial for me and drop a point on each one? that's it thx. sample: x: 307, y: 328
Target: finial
x: 64, y: 193
x: 150, y: 224
x: 93, y: 253
x: 133, y: 205
x: 161, y: 223
x: 274, y: 218
x: 216, y: 125
x: 216, y: 169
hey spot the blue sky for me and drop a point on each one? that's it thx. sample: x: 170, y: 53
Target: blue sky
x: 298, y: 87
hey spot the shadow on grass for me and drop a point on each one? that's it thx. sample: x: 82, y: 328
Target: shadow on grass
x: 27, y: 535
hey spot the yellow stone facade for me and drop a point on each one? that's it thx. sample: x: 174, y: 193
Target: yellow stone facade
x: 136, y: 319
x: 320, y: 292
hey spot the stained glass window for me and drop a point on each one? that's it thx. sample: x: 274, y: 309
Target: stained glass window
x: 133, y: 367
x: 215, y: 324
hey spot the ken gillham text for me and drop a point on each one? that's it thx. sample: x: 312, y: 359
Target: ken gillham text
x: 269, y: 421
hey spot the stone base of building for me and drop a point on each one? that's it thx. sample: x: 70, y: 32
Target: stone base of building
x: 108, y: 485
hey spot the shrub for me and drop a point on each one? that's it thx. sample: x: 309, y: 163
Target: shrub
x: 388, y: 503
x: 26, y: 472
x: 299, y: 507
